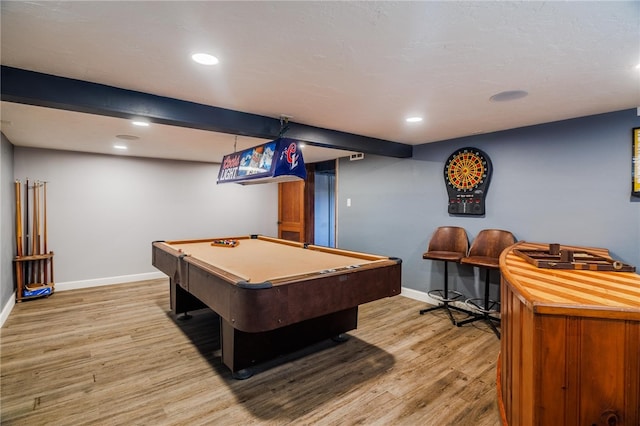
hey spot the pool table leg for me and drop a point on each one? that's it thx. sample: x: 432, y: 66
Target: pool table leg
x: 182, y: 301
x: 241, y: 350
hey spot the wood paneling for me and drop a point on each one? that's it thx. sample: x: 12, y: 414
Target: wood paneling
x: 115, y: 355
x: 570, y: 353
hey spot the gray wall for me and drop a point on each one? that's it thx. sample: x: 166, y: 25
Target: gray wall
x: 104, y: 211
x: 567, y: 182
x: 7, y: 221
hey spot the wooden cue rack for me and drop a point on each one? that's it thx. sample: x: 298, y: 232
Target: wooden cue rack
x: 33, y: 262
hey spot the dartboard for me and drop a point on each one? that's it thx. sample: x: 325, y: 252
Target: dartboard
x: 467, y: 174
x: 466, y: 169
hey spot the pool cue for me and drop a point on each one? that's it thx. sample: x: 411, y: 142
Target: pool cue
x: 34, y: 239
x: 19, y: 265
x: 40, y: 262
x: 26, y: 227
x: 18, y: 219
x: 46, y: 266
x: 40, y: 251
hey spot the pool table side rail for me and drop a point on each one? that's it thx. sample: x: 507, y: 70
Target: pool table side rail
x: 327, y: 272
x: 333, y: 250
x: 199, y: 240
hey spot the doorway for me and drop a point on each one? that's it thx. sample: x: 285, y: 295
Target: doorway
x: 307, y: 209
x: 325, y: 204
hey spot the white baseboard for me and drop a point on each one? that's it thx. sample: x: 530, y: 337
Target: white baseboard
x: 418, y: 295
x: 72, y: 285
x: 7, y: 308
x: 424, y: 297
x: 96, y: 282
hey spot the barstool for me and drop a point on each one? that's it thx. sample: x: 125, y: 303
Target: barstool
x: 448, y: 244
x: 485, y: 253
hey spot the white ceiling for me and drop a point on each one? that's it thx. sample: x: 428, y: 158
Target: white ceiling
x: 358, y: 67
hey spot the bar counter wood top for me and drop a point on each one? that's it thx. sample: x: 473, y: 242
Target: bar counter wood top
x: 570, y: 349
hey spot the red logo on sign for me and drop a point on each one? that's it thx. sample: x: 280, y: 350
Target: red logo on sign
x: 292, y: 157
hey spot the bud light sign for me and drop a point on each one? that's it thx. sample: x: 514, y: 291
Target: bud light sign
x: 276, y: 161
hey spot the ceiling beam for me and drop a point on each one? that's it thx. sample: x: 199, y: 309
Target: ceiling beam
x: 46, y: 90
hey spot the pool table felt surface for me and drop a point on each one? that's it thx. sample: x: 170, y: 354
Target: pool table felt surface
x: 262, y: 259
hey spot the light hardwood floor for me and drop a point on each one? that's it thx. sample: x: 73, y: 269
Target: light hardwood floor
x: 114, y: 355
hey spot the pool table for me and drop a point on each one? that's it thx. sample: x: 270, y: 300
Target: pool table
x: 273, y: 296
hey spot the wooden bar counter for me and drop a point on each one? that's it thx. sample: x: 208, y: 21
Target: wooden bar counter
x: 570, y: 349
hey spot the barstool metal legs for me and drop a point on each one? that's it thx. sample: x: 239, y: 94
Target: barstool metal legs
x: 445, y: 296
x: 485, y: 309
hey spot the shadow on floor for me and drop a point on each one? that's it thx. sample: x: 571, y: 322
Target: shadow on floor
x: 289, y: 386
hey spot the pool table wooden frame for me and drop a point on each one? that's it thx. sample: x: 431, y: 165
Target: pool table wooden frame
x: 273, y: 296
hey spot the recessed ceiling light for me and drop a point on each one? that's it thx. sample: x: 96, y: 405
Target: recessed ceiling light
x: 509, y: 95
x: 413, y: 119
x: 140, y: 123
x: 123, y: 147
x: 204, y: 58
x: 301, y: 145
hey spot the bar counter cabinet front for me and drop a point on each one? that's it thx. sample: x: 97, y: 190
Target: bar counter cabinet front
x: 570, y: 348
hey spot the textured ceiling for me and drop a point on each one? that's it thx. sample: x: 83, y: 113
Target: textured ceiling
x: 358, y: 67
